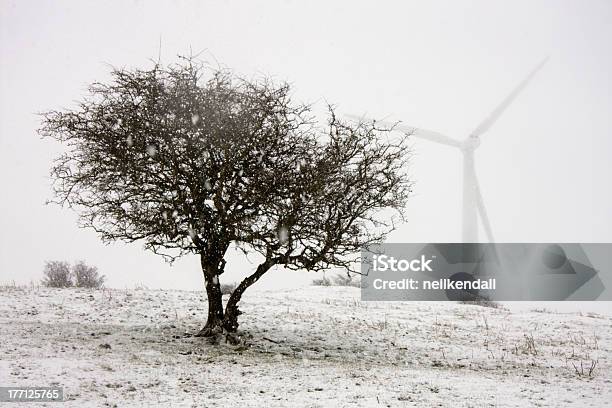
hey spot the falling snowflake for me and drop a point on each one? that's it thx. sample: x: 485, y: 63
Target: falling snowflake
x: 205, y: 155
x: 129, y: 140
x: 215, y: 280
x: 165, y: 215
x: 151, y: 150
x: 208, y: 185
x: 174, y: 214
x: 300, y: 164
x: 283, y: 235
x: 195, y: 118
x: 192, y: 233
x: 240, y: 172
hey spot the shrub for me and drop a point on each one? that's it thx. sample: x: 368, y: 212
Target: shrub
x: 346, y: 280
x: 57, y: 274
x: 86, y: 276
x: 338, y: 280
x: 482, y: 302
x: 324, y: 281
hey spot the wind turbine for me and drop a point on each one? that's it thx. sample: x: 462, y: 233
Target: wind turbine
x: 473, y: 203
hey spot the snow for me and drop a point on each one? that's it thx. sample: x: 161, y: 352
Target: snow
x: 283, y: 235
x: 301, y: 163
x: 192, y: 233
x: 315, y: 347
x: 151, y: 150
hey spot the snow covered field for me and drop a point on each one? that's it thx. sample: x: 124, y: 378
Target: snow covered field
x: 314, y: 347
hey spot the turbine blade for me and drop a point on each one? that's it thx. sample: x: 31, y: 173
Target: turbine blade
x: 482, y: 209
x: 493, y: 116
x: 430, y: 135
x: 417, y: 132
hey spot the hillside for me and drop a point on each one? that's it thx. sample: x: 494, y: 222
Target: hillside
x: 314, y: 347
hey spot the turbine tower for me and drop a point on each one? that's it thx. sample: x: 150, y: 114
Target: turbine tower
x: 473, y: 203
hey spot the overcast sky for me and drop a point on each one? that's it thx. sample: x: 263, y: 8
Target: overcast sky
x: 544, y: 167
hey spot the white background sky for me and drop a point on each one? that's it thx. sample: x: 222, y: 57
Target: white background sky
x: 544, y: 167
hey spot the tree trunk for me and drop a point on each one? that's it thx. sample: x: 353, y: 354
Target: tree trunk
x: 214, y: 321
x: 230, y: 318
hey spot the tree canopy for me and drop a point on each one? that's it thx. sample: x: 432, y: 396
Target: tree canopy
x: 193, y: 160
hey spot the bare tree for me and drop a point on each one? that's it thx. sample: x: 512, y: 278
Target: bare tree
x: 189, y: 165
x: 87, y: 276
x: 57, y: 274
x: 332, y: 206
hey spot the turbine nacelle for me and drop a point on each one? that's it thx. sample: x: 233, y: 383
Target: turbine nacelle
x: 470, y: 143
